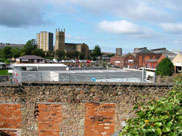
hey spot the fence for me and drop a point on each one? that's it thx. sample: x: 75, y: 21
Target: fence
x: 4, y: 78
x: 81, y: 76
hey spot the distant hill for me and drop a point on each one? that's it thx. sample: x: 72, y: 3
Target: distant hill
x: 2, y: 45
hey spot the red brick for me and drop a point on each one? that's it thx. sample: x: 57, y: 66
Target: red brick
x: 97, y: 118
x: 49, y: 119
x: 10, y: 116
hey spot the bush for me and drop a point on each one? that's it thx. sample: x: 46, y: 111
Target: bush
x: 165, y: 67
x: 157, y: 118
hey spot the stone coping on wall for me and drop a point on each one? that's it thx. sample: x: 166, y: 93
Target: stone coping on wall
x: 88, y: 83
x: 101, y: 84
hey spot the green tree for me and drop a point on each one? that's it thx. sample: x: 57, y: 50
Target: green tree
x: 165, y: 67
x: 70, y: 55
x: 29, y: 47
x: 6, y: 52
x: 49, y: 54
x: 1, y: 50
x: 82, y: 56
x: 60, y: 54
x: 38, y: 52
x: 96, y: 52
x: 16, y: 52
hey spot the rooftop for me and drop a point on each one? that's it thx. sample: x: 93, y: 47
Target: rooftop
x: 30, y: 57
x: 73, y: 43
x: 2, y: 63
x: 39, y: 65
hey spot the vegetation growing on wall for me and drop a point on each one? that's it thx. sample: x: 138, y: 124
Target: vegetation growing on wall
x: 158, y: 118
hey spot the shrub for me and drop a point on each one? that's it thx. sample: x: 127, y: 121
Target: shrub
x: 165, y: 67
x: 157, y: 118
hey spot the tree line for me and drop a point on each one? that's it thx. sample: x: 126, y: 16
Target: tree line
x: 30, y: 48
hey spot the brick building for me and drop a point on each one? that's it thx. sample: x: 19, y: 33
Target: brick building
x: 134, y: 60
x: 152, y: 63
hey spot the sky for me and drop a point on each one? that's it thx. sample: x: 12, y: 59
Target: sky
x: 111, y: 24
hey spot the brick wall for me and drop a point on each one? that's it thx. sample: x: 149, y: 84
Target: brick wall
x: 10, y: 118
x: 99, y: 119
x: 49, y: 119
x: 70, y: 109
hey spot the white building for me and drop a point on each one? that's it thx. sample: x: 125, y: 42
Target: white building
x: 36, y: 72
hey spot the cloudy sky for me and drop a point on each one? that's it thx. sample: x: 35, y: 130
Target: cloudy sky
x: 109, y: 23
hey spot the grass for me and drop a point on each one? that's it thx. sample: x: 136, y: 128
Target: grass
x: 4, y: 72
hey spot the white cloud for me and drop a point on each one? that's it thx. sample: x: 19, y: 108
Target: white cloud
x: 125, y: 27
x: 119, y: 27
x: 16, y: 13
x: 73, y: 37
x: 129, y: 9
x: 172, y: 27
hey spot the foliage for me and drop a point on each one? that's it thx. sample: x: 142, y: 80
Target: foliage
x: 6, y: 52
x: 15, y: 52
x: 165, y: 67
x: 82, y: 56
x: 3, y: 72
x: 29, y: 47
x: 7, y: 61
x: 60, y: 54
x: 74, y: 55
x: 111, y: 55
x: 96, y: 52
x: 177, y: 78
x: 49, y: 54
x: 158, y: 118
x: 38, y: 52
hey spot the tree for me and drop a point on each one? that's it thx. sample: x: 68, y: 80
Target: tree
x: 49, y: 54
x: 82, y: 56
x: 60, y: 54
x: 29, y: 47
x: 6, y: 52
x: 96, y: 52
x: 70, y: 55
x: 38, y: 52
x: 16, y: 52
x: 165, y: 67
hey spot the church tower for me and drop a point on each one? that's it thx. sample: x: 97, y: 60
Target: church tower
x: 60, y: 40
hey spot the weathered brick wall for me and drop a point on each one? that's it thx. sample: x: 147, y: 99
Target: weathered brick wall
x: 10, y: 117
x: 70, y: 109
x: 99, y: 119
x: 49, y: 119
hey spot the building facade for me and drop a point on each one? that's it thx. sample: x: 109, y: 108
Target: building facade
x: 177, y: 62
x: 119, y: 51
x: 69, y: 47
x: 45, y: 41
x: 136, y: 59
x: 30, y: 59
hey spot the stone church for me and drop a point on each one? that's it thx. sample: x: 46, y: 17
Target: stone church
x: 69, y: 47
